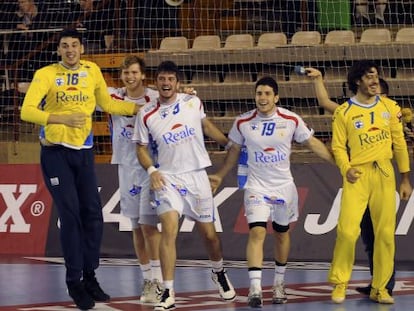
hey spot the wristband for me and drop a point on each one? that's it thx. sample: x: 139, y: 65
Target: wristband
x: 228, y: 146
x: 151, y: 169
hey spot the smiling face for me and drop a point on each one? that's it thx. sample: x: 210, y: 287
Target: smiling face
x: 132, y: 77
x: 167, y: 85
x: 70, y: 50
x: 266, y: 100
x: 368, y: 85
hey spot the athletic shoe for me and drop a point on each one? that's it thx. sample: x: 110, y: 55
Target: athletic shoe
x: 255, y: 298
x: 365, y: 290
x: 146, y: 287
x: 155, y: 292
x: 80, y: 296
x: 167, y: 301
x: 339, y: 292
x: 94, y: 290
x: 381, y: 296
x: 279, y: 294
x: 223, y: 283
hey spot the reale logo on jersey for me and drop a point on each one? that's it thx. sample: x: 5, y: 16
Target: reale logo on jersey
x: 178, y: 133
x: 25, y: 209
x: 64, y: 97
x: 269, y: 155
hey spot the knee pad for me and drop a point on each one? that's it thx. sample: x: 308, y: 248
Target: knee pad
x: 279, y: 228
x: 257, y: 224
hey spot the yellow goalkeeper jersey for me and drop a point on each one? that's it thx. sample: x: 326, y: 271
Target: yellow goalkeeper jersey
x: 368, y: 133
x: 56, y: 89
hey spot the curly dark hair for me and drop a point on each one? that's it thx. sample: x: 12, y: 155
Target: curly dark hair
x: 356, y: 72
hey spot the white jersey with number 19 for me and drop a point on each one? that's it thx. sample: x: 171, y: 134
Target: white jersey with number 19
x: 269, y: 144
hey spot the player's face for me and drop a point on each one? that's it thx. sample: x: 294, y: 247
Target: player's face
x: 266, y: 99
x: 369, y: 83
x: 167, y: 85
x: 132, y: 77
x: 70, y: 50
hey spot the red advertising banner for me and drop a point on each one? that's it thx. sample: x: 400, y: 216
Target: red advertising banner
x: 25, y: 209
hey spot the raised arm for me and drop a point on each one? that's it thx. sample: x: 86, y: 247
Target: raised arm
x: 320, y: 90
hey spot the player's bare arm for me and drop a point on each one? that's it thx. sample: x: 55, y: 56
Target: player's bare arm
x: 320, y: 90
x: 231, y: 159
x: 211, y: 130
x: 405, y: 186
x: 144, y: 158
x: 320, y: 149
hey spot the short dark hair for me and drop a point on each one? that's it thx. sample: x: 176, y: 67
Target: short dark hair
x: 269, y: 81
x: 70, y: 32
x: 170, y: 67
x: 358, y: 70
x: 133, y: 59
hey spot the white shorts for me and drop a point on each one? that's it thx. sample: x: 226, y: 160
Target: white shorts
x: 280, y: 206
x: 189, y: 194
x: 136, y: 199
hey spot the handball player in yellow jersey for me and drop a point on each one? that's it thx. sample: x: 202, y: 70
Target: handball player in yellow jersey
x: 367, y: 230
x: 367, y: 133
x: 61, y: 98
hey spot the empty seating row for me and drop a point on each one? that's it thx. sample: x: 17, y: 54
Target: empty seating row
x: 304, y: 46
x: 276, y: 39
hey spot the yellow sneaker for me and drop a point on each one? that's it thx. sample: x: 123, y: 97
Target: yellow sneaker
x: 381, y: 296
x: 338, y: 293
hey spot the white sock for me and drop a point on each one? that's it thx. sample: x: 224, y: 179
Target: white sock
x: 146, y: 271
x: 156, y: 273
x: 279, y: 275
x: 169, y: 285
x: 217, y: 266
x: 255, y: 277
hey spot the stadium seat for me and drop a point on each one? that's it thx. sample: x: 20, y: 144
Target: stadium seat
x: 306, y: 38
x: 239, y: 41
x: 174, y: 43
x: 375, y: 36
x: 271, y: 39
x: 405, y: 35
x: 206, y: 42
x: 340, y: 37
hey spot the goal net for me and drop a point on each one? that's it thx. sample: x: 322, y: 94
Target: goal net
x: 221, y: 46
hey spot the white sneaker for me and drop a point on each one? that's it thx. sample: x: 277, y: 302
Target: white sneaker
x: 146, y: 287
x: 224, y: 285
x: 167, y: 301
x: 279, y: 294
x: 155, y: 292
x: 255, y: 298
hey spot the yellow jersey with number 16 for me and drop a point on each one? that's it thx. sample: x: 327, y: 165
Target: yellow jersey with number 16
x: 56, y: 89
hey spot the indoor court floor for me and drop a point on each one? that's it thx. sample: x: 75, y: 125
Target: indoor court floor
x: 38, y: 284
